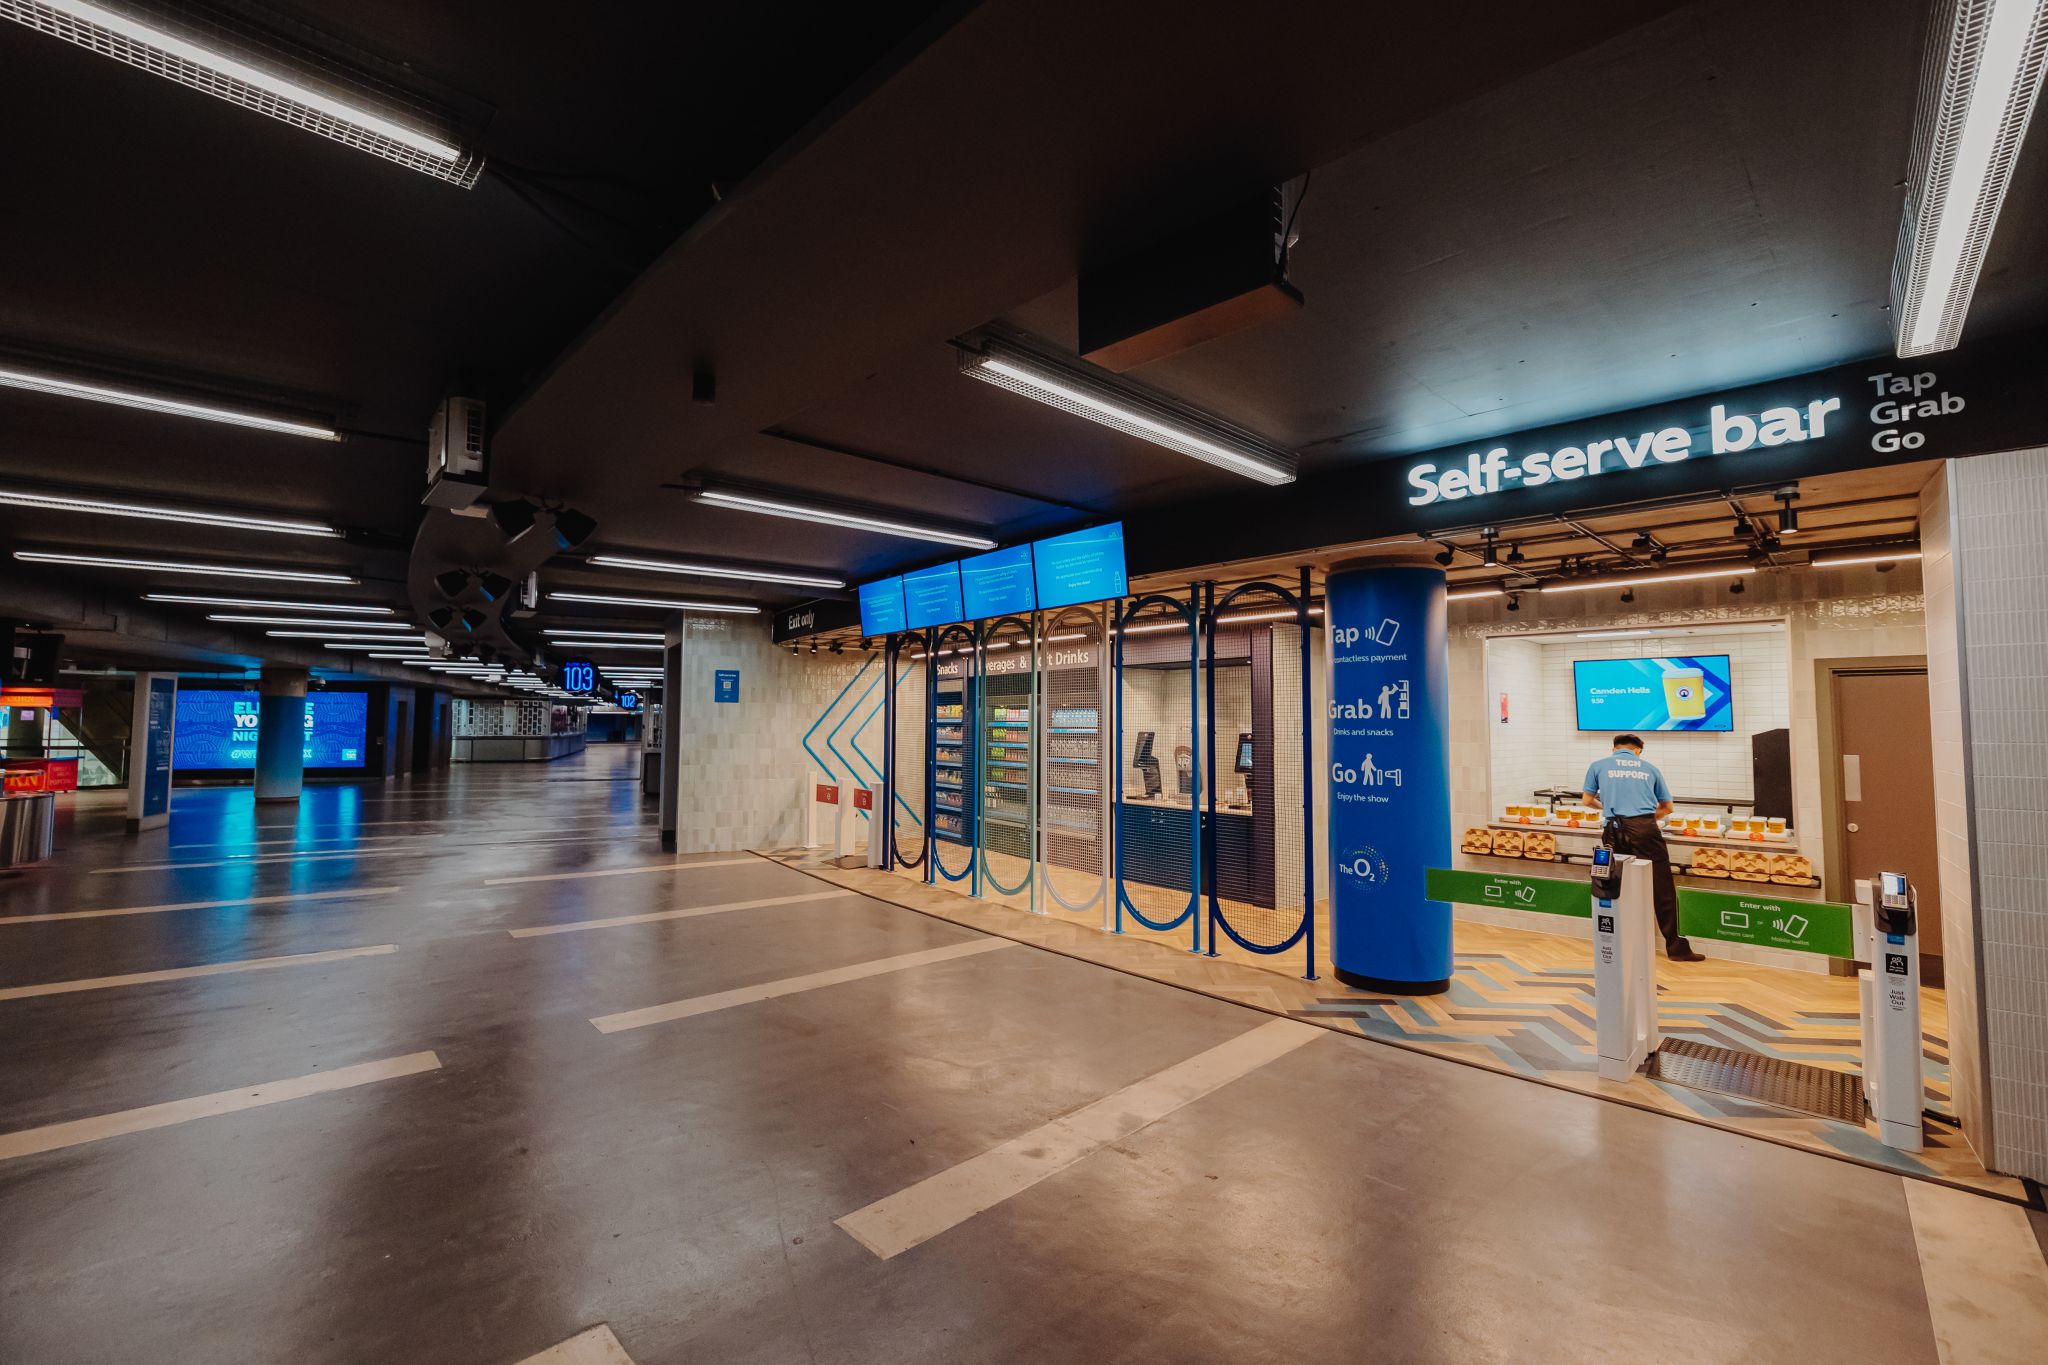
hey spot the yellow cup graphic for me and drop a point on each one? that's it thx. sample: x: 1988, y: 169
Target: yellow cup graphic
x: 1685, y: 694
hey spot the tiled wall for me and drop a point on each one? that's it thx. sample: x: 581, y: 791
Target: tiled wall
x: 1998, y: 509
x: 1541, y: 745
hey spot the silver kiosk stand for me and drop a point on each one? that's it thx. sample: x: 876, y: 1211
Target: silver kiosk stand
x: 1892, y: 1077
x: 1624, y: 963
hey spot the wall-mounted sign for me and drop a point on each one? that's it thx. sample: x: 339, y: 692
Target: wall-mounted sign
x: 629, y: 701
x: 725, y: 685
x: 1081, y: 566
x: 997, y: 583
x: 1768, y: 921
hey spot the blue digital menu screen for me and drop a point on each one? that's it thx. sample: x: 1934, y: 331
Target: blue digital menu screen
x: 881, y: 608
x: 1695, y: 692
x: 216, y: 729
x: 997, y: 583
x: 931, y: 597
x: 1081, y: 566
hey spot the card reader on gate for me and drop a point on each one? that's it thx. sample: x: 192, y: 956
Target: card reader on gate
x: 1607, y: 874
x: 1895, y: 904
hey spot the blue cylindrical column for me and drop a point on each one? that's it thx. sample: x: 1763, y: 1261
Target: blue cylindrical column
x: 1390, y: 778
x: 281, y: 734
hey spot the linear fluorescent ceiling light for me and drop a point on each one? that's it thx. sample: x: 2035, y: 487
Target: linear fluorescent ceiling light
x: 182, y: 566
x: 1605, y: 584
x: 190, y: 599
x: 605, y: 634
x: 768, y: 506
x: 1069, y: 387
x: 263, y: 76
x: 249, y: 620
x: 664, y: 603
x: 609, y: 644
x: 1979, y: 81
x: 1873, y: 557
x: 718, y: 571
x: 60, y: 386
x: 235, y: 521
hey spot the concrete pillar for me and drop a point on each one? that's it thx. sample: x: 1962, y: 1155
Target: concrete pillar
x: 671, y: 729
x: 281, y: 734
x: 1390, y: 778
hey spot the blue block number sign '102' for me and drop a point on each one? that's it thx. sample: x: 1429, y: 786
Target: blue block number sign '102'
x: 579, y: 675
x: 1390, y: 790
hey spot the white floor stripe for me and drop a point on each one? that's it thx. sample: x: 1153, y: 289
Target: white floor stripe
x: 200, y: 905
x: 791, y: 985
x: 247, y: 964
x: 888, y: 1227
x: 29, y: 1141
x: 1987, y: 1286
x: 334, y: 855
x: 625, y: 871
x: 689, y: 912
x: 593, y: 1346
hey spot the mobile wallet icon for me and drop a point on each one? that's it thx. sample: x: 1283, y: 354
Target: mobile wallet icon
x: 1389, y: 628
x: 1794, y: 925
x: 1526, y: 893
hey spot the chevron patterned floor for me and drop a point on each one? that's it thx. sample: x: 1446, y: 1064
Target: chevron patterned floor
x: 1520, y: 1003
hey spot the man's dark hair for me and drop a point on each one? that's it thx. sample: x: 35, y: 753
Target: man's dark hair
x: 1628, y: 741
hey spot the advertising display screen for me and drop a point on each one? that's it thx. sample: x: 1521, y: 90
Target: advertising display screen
x: 931, y: 597
x: 997, y: 583
x: 881, y: 608
x: 1688, y: 693
x: 217, y: 729
x: 1081, y: 566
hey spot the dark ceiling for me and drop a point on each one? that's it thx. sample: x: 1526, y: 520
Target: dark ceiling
x: 1564, y: 209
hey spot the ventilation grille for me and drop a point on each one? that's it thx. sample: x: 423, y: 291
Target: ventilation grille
x: 289, y: 63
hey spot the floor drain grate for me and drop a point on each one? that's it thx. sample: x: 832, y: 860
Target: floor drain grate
x: 1768, y: 1080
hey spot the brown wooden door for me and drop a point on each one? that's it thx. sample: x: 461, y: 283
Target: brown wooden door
x: 1886, y: 753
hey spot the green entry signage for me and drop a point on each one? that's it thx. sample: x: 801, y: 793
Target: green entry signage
x: 1767, y: 921
x: 1545, y: 895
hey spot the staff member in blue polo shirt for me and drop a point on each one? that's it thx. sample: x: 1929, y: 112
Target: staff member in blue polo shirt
x: 1636, y: 799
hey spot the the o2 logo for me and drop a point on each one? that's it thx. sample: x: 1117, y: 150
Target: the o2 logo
x: 579, y: 675
x: 1364, y: 867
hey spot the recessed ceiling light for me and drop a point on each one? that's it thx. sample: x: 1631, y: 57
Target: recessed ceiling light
x: 63, y: 386
x: 1072, y: 388
x: 240, y: 619
x: 607, y: 634
x: 663, y: 603
x: 1598, y: 584
x: 774, y: 506
x: 347, y: 608
x: 237, y: 521
x: 1981, y: 86
x: 219, y: 63
x: 609, y: 644
x: 718, y: 571
x: 182, y: 566
x: 381, y: 641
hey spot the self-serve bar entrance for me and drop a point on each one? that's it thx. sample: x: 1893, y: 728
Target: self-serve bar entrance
x: 1142, y: 765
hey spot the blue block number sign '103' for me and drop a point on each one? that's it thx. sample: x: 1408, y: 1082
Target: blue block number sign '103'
x: 1690, y: 693
x: 217, y: 729
x: 579, y: 675
x: 1390, y: 791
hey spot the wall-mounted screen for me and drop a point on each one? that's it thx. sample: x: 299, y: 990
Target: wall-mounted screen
x: 997, y: 583
x: 216, y: 729
x: 881, y: 607
x: 1693, y: 692
x: 1081, y: 566
x: 931, y: 597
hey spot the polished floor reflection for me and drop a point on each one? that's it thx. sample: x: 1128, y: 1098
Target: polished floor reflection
x: 465, y: 1069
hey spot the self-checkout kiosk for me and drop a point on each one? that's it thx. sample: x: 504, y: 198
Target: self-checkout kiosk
x: 1892, y: 1078
x: 1624, y: 963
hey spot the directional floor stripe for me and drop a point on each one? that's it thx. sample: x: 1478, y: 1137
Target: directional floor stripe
x: 688, y: 912
x: 889, y: 1227
x: 592, y: 1346
x: 247, y: 964
x: 201, y: 905
x: 791, y: 985
x: 29, y: 1141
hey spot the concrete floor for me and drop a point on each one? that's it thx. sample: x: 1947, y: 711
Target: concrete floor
x: 680, y: 1181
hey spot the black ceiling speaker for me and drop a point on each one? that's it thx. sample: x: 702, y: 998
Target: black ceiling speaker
x: 572, y: 528
x: 453, y: 582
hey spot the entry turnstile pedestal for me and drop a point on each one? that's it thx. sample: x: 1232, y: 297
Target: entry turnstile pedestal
x: 1893, y: 1080
x: 1624, y: 964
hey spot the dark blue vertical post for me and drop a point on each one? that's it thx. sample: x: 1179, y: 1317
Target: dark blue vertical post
x: 1308, y: 777
x: 281, y: 734
x: 1208, y: 741
x: 931, y: 756
x: 884, y: 818
x: 1116, y: 809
